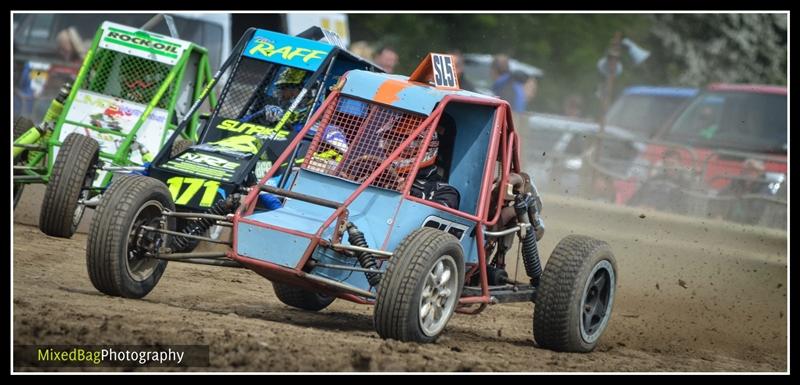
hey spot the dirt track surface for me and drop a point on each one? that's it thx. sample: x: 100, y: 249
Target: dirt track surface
x: 692, y: 296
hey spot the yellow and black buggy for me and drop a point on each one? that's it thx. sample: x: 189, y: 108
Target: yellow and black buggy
x: 274, y: 84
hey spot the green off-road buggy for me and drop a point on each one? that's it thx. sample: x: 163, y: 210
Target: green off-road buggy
x: 133, y: 88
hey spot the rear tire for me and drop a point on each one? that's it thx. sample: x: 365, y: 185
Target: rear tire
x: 301, y: 298
x: 18, y: 188
x: 424, y: 278
x: 74, y: 171
x: 21, y: 126
x: 114, y: 249
x: 572, y: 307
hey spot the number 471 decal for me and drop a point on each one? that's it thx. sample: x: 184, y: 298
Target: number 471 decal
x: 194, y: 184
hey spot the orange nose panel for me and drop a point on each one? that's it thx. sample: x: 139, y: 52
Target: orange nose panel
x: 387, y: 92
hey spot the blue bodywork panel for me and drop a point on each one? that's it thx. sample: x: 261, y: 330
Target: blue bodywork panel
x: 382, y: 215
x: 371, y: 211
x: 471, y: 146
x: 287, y: 50
x: 413, y: 216
x: 397, y: 91
x: 271, y: 245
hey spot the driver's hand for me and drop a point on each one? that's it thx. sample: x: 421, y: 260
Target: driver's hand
x: 273, y: 113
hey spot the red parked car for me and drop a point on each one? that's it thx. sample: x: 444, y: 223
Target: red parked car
x: 730, y: 140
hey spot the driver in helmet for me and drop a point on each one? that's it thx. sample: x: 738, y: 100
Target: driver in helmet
x: 288, y: 87
x: 429, y: 183
x: 392, y: 136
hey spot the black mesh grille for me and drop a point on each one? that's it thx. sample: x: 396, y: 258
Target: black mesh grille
x: 128, y: 77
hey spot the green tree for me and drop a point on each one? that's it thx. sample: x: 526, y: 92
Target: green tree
x: 696, y: 49
x: 565, y: 46
x: 686, y: 49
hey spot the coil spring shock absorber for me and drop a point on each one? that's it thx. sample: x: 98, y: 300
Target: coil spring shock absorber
x: 530, y: 251
x: 366, y: 260
x: 200, y: 225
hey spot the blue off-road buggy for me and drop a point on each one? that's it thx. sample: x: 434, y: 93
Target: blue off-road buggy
x: 364, y: 220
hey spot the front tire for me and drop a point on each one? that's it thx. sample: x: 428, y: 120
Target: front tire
x: 18, y: 188
x: 116, y: 246
x: 74, y: 171
x: 420, y: 290
x: 301, y: 298
x: 576, y: 295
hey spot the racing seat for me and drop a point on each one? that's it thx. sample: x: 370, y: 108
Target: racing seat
x: 447, y: 140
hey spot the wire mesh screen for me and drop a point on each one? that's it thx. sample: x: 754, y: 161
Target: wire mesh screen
x: 259, y: 93
x: 128, y: 77
x: 248, y: 90
x: 358, y: 136
x: 188, y: 85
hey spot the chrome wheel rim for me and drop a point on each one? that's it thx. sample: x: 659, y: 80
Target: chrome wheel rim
x: 597, y: 301
x: 140, y: 266
x: 438, y: 298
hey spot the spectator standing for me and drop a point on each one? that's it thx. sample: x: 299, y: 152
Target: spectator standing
x: 362, y: 49
x: 505, y: 86
x: 387, y: 58
x: 573, y: 106
x: 70, y: 46
x: 531, y: 88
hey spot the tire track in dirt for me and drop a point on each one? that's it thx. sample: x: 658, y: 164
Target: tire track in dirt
x: 692, y: 297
